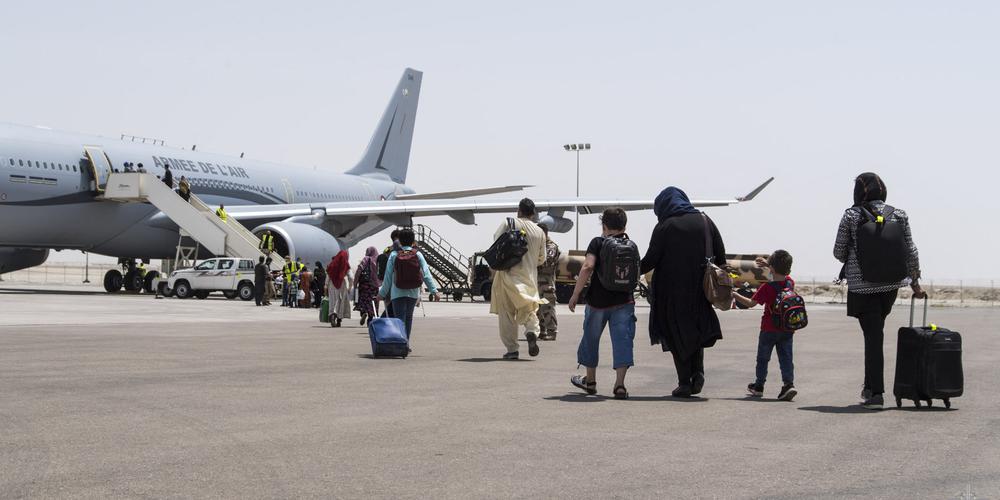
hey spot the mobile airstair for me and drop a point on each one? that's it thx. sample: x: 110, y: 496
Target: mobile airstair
x: 194, y: 218
x: 448, y: 266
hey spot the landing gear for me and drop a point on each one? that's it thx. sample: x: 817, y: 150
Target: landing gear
x: 229, y: 295
x: 113, y: 281
x: 201, y: 294
x: 487, y: 291
x: 457, y: 296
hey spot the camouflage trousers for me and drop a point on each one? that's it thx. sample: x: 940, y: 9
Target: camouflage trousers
x: 547, y: 322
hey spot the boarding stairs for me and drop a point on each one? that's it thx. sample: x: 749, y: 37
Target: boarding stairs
x: 448, y: 266
x: 194, y: 218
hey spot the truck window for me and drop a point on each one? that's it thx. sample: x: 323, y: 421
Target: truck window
x: 208, y: 265
x: 225, y: 264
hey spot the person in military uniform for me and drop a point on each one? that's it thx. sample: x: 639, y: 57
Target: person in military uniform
x: 547, y: 322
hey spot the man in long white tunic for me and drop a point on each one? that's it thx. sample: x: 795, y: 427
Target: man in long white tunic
x: 515, y: 296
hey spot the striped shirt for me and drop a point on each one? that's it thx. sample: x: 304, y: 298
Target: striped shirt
x: 846, y: 250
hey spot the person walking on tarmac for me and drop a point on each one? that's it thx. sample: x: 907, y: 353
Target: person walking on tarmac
x: 266, y: 242
x: 259, y: 281
x: 221, y: 212
x: 168, y: 177
x: 269, y: 284
x: 184, y: 188
x: 288, y: 270
x: 547, y: 322
x: 515, y: 297
x: 318, y: 282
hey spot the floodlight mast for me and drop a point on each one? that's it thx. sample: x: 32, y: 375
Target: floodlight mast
x: 577, y: 148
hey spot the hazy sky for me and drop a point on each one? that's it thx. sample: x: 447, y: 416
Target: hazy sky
x: 713, y: 97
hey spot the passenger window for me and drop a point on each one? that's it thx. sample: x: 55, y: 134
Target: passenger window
x: 12, y: 162
x: 225, y: 264
x: 21, y: 163
x: 208, y: 265
x: 74, y: 168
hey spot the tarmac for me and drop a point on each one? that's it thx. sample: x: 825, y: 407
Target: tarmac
x: 129, y: 397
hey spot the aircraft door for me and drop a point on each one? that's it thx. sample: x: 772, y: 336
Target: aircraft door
x: 100, y: 167
x: 289, y: 192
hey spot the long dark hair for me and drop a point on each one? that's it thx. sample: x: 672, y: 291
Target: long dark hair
x: 868, y: 187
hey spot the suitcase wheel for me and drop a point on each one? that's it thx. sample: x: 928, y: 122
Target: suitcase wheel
x: 916, y: 402
x: 899, y: 402
x: 947, y: 403
x: 930, y: 403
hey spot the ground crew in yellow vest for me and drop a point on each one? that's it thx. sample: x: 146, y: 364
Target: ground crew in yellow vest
x: 221, y: 212
x: 288, y: 269
x: 267, y: 242
x: 141, y: 268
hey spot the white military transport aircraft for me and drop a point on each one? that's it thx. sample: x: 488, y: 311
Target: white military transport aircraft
x: 51, y: 184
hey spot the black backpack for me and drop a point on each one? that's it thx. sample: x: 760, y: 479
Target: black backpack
x: 619, y: 269
x: 383, y: 261
x: 881, y: 246
x: 508, y: 250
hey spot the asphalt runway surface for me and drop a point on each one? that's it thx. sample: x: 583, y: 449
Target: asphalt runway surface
x: 127, y: 396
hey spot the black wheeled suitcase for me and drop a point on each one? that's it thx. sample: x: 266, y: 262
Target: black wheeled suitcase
x: 928, y: 363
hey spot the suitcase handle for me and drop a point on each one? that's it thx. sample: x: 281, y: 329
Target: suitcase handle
x: 913, y: 305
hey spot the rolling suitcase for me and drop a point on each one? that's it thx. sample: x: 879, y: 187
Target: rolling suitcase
x: 388, y: 336
x: 324, y: 310
x: 928, y: 363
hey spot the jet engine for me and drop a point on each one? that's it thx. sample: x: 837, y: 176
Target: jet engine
x: 15, y: 259
x: 556, y: 224
x: 301, y: 240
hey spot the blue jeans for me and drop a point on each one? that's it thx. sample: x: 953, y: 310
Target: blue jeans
x: 621, y: 322
x: 781, y: 342
x: 402, y: 308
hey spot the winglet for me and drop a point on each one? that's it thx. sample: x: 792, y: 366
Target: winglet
x: 753, y: 194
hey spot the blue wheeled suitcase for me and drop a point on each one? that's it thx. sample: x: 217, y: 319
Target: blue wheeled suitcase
x: 388, y: 336
x: 928, y: 363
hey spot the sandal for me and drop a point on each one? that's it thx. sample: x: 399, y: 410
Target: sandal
x: 621, y: 392
x: 581, y: 382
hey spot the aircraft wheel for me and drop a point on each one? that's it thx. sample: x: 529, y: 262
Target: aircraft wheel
x: 201, y: 294
x: 165, y: 290
x: 133, y: 281
x: 113, y: 281
x: 147, y: 284
x: 487, y: 291
x: 182, y: 289
x: 457, y: 296
x: 229, y: 295
x: 245, y: 291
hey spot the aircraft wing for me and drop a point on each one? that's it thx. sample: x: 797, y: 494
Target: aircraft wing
x: 463, y: 211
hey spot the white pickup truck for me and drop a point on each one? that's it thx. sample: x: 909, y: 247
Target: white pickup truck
x: 233, y: 277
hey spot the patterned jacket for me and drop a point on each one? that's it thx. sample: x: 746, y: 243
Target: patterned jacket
x: 547, y: 271
x: 846, y: 251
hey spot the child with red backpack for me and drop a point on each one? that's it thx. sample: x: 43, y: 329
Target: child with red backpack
x: 405, y: 272
x: 784, y: 314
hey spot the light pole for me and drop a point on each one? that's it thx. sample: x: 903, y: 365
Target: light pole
x: 86, y: 268
x: 577, y: 148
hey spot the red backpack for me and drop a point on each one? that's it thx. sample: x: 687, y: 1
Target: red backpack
x: 408, y: 272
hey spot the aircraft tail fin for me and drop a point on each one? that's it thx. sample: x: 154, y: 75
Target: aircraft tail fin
x: 388, y: 151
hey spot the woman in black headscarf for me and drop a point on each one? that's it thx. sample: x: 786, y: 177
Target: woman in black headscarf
x: 681, y: 319
x: 870, y: 302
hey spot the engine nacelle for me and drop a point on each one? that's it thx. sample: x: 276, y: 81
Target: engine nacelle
x: 301, y: 240
x: 556, y: 224
x: 15, y: 259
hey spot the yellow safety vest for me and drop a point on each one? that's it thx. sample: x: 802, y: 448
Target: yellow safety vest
x: 267, y: 242
x: 221, y: 213
x: 287, y: 269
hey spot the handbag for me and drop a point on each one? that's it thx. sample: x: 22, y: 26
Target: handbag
x: 717, y: 283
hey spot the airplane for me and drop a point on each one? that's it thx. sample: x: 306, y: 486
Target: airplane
x: 51, y: 184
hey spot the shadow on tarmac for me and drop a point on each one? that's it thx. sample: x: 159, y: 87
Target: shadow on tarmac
x: 586, y: 398
x: 490, y: 360
x: 754, y: 400
x: 29, y: 291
